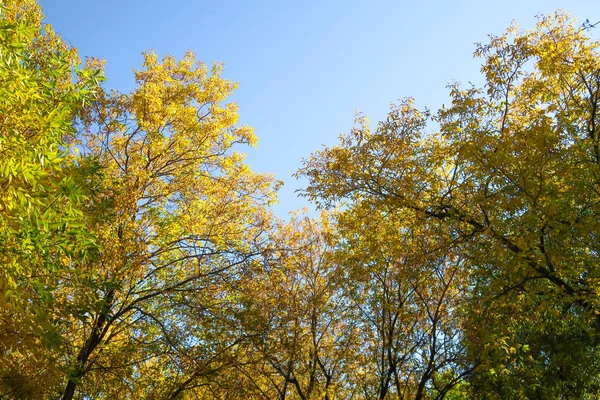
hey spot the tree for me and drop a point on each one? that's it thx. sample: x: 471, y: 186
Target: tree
x: 185, y: 215
x: 303, y: 333
x: 409, y: 295
x: 512, y: 175
x: 44, y: 191
x: 126, y: 220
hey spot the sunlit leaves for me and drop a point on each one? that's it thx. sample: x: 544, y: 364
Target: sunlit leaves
x: 512, y: 177
x: 186, y: 215
x: 44, y: 192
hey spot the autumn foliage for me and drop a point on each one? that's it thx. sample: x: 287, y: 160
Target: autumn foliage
x: 456, y: 255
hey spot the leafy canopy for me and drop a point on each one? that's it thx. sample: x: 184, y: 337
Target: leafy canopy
x: 513, y: 176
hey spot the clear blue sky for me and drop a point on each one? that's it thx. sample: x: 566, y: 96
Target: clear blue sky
x: 304, y: 67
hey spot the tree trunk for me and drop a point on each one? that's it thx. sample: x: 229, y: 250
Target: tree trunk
x: 90, y: 345
x: 69, y: 390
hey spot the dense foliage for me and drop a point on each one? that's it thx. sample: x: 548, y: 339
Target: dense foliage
x: 509, y: 184
x: 140, y: 259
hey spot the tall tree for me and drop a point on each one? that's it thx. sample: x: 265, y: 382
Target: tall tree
x: 304, y: 334
x: 186, y: 214
x: 513, y: 174
x: 44, y: 192
x: 409, y: 291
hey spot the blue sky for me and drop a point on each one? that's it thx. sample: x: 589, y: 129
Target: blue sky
x: 304, y: 67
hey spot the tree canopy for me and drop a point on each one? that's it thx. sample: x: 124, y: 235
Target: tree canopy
x: 510, y: 179
x: 456, y: 255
